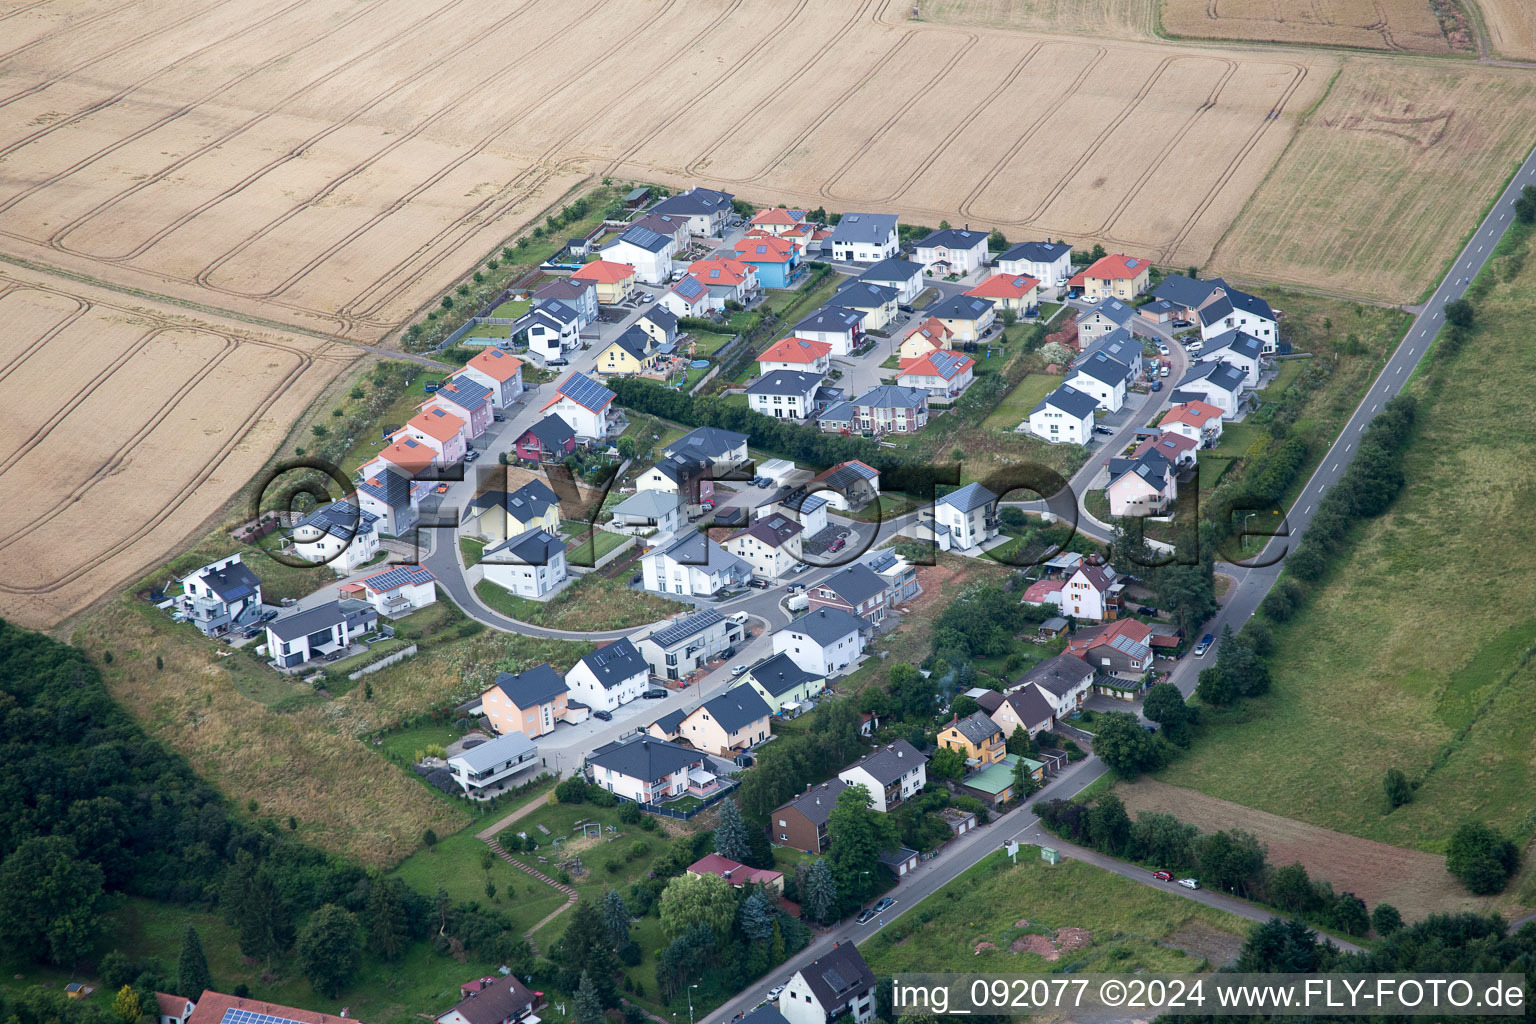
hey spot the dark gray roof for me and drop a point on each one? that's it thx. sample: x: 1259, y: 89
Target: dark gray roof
x: 864, y: 295
x: 1241, y: 342
x: 643, y: 237
x: 539, y: 685
x: 671, y: 720
x: 531, y: 547
x: 774, y: 530
x: 817, y: 803
x: 1103, y: 369
x: 464, y: 392
x: 557, y: 311
x: 1216, y: 312
x: 785, y: 382
x: 893, y: 859
x: 779, y: 674
x: 855, y: 584
x: 697, y: 550
x: 708, y: 442
x: 870, y: 228
x: 291, y: 627
x: 890, y: 763
x: 662, y: 317
x: 563, y: 288
x: 1114, y: 310
x: 506, y: 747
x: 390, y: 487
x: 531, y: 500
x: 1250, y: 304
x: 1150, y: 465
x: 1118, y: 345
x: 968, y: 498
x: 552, y: 432
x: 646, y: 758
x: 662, y: 223
x: 503, y: 999
x: 616, y: 663
x: 765, y: 1014
x: 960, y: 307
x: 1159, y: 306
x: 841, y: 412
x: 1220, y: 374
x: 828, y: 625
x: 1070, y: 401
x: 833, y: 318
x: 1059, y: 675
x: 685, y: 627
x: 695, y: 200
x: 232, y: 583
x: 1036, y: 252
x: 340, y: 519
x: 952, y: 238
x: 892, y: 396
x: 1030, y: 705
x: 635, y: 341
x: 1184, y: 291
x: 893, y: 268
x: 650, y: 504
x: 737, y: 707
x: 977, y: 728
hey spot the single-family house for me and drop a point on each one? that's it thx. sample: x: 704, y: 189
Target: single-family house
x: 672, y: 225
x: 549, y: 440
x: 648, y: 770
x: 1240, y: 349
x: 439, y: 430
x: 318, y: 632
x: 771, y: 545
x: 774, y: 259
x: 528, y: 702
x: 1187, y: 295
x: 1048, y: 262
x: 392, y: 495
x: 875, y: 301
x: 968, y: 515
x: 1102, y: 377
x: 173, y: 1009
x: 1122, y: 648
x: 845, y: 486
x: 494, y: 763
x: 835, y: 984
x: 579, y: 295
x: 1024, y: 707
x: 1064, y: 681
x: 705, y: 209
x: 1145, y: 485
x: 801, y: 823
x: 1217, y: 383
x: 1109, y: 315
x: 630, y: 353
x: 824, y: 641
x: 686, y: 297
x: 643, y: 511
x: 784, y: 394
x: 856, y: 589
x: 609, y: 676
x: 661, y: 324
x: 530, y: 564
x: 498, y: 371
x: 809, y: 510
x: 1199, y: 421
x: 220, y: 596
x: 615, y: 282
x: 892, y: 774
x: 979, y: 739
x: 693, y: 566
x: 1176, y: 448
x: 687, y: 643
x: 944, y: 375
x: 1115, y: 276
x: 1158, y: 311
x: 584, y: 404
x: 217, y: 1008
x: 901, y: 274
x: 1093, y: 592
x: 726, y: 725
x: 735, y: 872
x: 1018, y: 292
x: 340, y: 535
x: 396, y: 591
x: 498, y: 1000
x: 550, y: 328
x: 649, y: 252
x: 777, y: 220
x: 838, y: 418
x: 722, y: 449
x: 966, y: 316
x: 836, y: 325
x: 863, y: 238
x: 728, y: 280
x: 890, y: 407
x: 898, y: 574
x: 1236, y: 310
x: 497, y: 514
x: 406, y: 454
x: 1121, y: 346
x: 800, y: 355
x: 782, y: 683
x: 467, y: 399
x: 1064, y: 416
x: 929, y: 336
x: 952, y: 251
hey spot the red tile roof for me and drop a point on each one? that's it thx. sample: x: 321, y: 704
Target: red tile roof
x: 605, y: 272
x: 1168, y: 444
x: 1114, y: 267
x: 720, y: 271
x: 211, y: 1007
x: 1005, y: 286
x: 1086, y: 640
x: 437, y: 424
x: 1040, y: 591
x: 409, y: 454
x: 714, y: 864
x: 765, y: 249
x: 1196, y: 414
x: 782, y: 218
x: 925, y: 366
x: 496, y: 364
x: 796, y: 350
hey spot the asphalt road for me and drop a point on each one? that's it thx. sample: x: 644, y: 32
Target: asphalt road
x: 1250, y: 587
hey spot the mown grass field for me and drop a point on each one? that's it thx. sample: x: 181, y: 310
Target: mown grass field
x: 1417, y: 654
x: 1133, y: 926
x: 592, y: 602
x: 1017, y: 404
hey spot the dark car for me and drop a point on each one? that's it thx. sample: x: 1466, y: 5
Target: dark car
x: 1157, y: 385
x: 905, y: 309
x: 759, y: 583
x: 1181, y: 324
x: 602, y: 716
x: 1102, y: 430
x: 498, y: 417
x: 655, y: 693
x: 1147, y: 610
x: 1204, y: 645
x: 252, y: 633
x: 886, y: 903
x: 267, y: 616
x: 1163, y: 876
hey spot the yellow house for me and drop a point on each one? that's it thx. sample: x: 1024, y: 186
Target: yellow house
x: 931, y: 335
x: 530, y: 702
x: 499, y: 514
x: 1115, y: 276
x: 1017, y: 292
x: 876, y: 302
x: 629, y: 353
x: 966, y: 316
x: 726, y: 725
x: 977, y: 737
x: 614, y: 281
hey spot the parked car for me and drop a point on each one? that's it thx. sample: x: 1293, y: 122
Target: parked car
x: 472, y: 455
x: 759, y: 583
x: 838, y: 544
x: 1102, y: 430
x: 602, y: 716
x: 252, y: 633
x: 1204, y: 645
x: 1190, y: 883
x: 739, y: 670
x: 1163, y: 876
x: 886, y: 903
x: 1162, y: 350
x: 655, y: 693
x: 498, y: 417
x: 904, y: 309
x: 774, y: 992
x: 1181, y: 324
x: 866, y: 915
x: 1147, y: 609
x: 557, y: 361
x: 800, y: 567
x: 1157, y: 385
x: 267, y: 616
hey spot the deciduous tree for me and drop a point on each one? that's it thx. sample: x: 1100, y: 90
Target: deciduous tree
x: 328, y: 949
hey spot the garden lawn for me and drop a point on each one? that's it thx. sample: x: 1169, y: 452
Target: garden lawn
x: 395, y: 415
x: 1133, y: 926
x: 707, y: 343
x: 1418, y: 651
x: 454, y: 864
x: 511, y: 308
x: 1017, y: 403
x: 471, y: 549
x: 591, y: 551
x: 593, y: 602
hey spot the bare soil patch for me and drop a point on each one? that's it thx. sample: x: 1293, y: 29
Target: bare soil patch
x: 1199, y: 939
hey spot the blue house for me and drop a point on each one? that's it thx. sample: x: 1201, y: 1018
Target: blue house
x: 775, y: 259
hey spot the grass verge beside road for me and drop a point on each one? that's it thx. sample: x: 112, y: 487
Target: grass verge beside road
x: 593, y: 602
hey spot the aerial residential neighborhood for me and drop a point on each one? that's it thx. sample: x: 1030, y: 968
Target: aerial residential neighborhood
x: 753, y: 507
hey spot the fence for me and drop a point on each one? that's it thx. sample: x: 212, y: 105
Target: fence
x: 667, y: 812
x: 398, y: 656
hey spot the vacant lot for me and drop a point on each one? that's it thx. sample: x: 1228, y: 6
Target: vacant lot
x: 1511, y: 27
x: 136, y: 426
x: 1118, y: 924
x: 1385, y: 179
x: 1373, y: 24
x: 1418, y: 652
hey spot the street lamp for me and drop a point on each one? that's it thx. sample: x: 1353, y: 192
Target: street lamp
x: 690, y: 1002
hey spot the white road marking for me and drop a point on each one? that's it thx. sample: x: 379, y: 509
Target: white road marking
x: 1349, y: 446
x: 1479, y: 248
x: 1309, y: 509
x: 1399, y: 369
x: 1335, y: 467
x: 1373, y: 408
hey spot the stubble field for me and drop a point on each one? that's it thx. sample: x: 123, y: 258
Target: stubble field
x: 1511, y: 27
x: 1408, y: 25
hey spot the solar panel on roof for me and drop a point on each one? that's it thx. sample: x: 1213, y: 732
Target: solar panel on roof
x: 585, y: 391
x: 234, y: 1015
x: 399, y: 577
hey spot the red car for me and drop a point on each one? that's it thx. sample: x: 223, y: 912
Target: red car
x: 1163, y: 876
x: 837, y: 545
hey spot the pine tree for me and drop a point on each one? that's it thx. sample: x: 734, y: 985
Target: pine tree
x: 820, y: 892
x: 588, y: 1008
x: 616, y: 918
x: 192, y: 966
x: 757, y: 917
x: 256, y: 909
x: 731, y: 834
x: 385, y: 919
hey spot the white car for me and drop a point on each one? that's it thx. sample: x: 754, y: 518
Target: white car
x: 773, y: 993
x: 1190, y: 883
x: 1162, y: 349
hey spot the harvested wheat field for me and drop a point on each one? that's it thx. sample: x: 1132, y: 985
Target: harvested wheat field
x: 1126, y: 19
x: 1417, y: 26
x: 136, y: 426
x: 1414, y: 882
x: 1385, y: 179
x: 1511, y: 26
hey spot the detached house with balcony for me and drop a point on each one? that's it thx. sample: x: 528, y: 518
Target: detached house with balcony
x: 890, y: 408
x: 586, y: 405
x: 615, y: 282
x: 729, y: 724
x: 801, y: 823
x: 580, y: 296
x: 1065, y: 680
x: 930, y: 335
x: 856, y: 589
x: 685, y: 645
x: 774, y: 259
x: 686, y: 297
x: 823, y: 642
x: 501, y: 1000
x: 340, y: 535
x: 944, y: 375
x: 783, y: 684
x: 439, y: 430
x: 530, y: 564
x: 391, y: 495
x: 876, y: 302
x: 609, y: 676
x: 771, y: 545
x: 1048, y: 262
x: 727, y: 280
x: 396, y: 591
x: 892, y: 774
x: 966, y: 518
x: 705, y: 210
x: 722, y: 449
x: 549, y: 440
x: 550, y: 329
x: 1018, y: 292
x: 1065, y: 416
x: 1199, y: 421
x: 838, y: 326
x: 838, y: 983
x: 1109, y: 315
x: 1093, y: 592
x: 1217, y: 383
x: 693, y: 566
x: 966, y: 316
x: 1024, y: 707
x: 497, y: 515
x: 798, y: 355
x: 952, y: 251
x: 649, y: 252
x: 1145, y: 485
x: 903, y: 275
x: 1239, y: 349
x: 529, y: 702
x: 976, y: 737
x: 467, y: 399
x: 863, y: 238
x: 220, y: 596
x: 1116, y: 276
x: 326, y: 630
x: 500, y: 372
x: 650, y: 771
x: 784, y: 394
x: 492, y: 764
x: 1122, y: 649
x: 1104, y: 378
